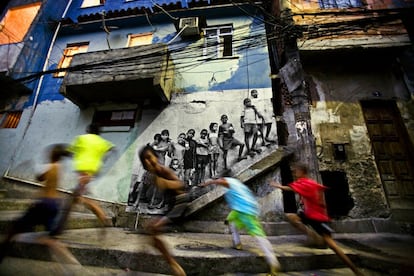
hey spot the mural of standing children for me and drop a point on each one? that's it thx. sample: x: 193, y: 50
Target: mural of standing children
x: 202, y: 156
x: 178, y: 149
x: 159, y: 150
x: 214, y: 149
x: 166, y: 145
x: 265, y: 108
x: 249, y: 120
x: 228, y: 141
x: 189, y: 158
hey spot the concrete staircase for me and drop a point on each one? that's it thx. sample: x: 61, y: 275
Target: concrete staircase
x: 378, y: 246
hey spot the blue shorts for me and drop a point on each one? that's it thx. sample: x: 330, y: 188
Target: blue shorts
x: 43, y: 212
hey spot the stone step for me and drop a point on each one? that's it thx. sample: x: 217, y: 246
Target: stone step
x: 16, y: 204
x: 9, y: 204
x: 76, y: 220
x: 262, y: 165
x: 19, y: 266
x: 364, y: 225
x: 212, y: 254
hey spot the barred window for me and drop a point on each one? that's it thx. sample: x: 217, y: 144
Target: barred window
x: 116, y: 120
x: 10, y: 119
x: 338, y: 4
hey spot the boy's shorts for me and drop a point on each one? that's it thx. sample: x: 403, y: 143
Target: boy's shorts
x: 320, y: 227
x: 248, y: 222
x: 176, y: 214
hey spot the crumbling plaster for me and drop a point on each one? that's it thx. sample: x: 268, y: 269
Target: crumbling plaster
x: 337, y: 118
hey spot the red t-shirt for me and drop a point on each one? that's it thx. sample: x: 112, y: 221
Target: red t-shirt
x: 312, y: 194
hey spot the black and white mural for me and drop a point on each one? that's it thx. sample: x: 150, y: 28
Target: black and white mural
x: 213, y: 143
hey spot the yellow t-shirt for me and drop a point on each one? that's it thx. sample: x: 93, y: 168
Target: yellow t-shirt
x: 88, y: 151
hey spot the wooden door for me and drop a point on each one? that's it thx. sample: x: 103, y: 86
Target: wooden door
x: 393, y: 154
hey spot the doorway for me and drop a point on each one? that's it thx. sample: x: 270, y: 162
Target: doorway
x: 337, y: 197
x: 393, y: 155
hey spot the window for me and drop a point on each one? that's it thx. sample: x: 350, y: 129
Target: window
x: 10, y: 119
x: 139, y: 39
x: 16, y: 23
x: 335, y: 4
x: 92, y: 3
x: 218, y: 41
x: 68, y: 54
x: 115, y: 120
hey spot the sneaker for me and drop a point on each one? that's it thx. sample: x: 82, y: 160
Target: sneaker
x: 259, y: 151
x: 238, y: 246
x: 241, y: 158
x: 274, y: 270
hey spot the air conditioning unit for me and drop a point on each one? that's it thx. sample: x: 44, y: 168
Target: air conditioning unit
x: 189, y: 26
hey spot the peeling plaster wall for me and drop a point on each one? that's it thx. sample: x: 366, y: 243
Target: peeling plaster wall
x: 337, y: 117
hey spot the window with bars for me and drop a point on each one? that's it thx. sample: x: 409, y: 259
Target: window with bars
x: 139, y: 39
x: 92, y: 3
x: 218, y: 41
x: 115, y: 120
x: 10, y: 119
x: 339, y: 4
x: 68, y: 53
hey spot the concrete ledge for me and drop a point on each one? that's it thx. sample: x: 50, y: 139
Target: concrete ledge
x: 211, y: 254
x: 284, y: 228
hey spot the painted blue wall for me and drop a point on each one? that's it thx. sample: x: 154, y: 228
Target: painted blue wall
x: 37, y: 40
x: 249, y: 68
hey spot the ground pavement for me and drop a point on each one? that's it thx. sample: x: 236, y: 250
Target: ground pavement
x: 124, y: 252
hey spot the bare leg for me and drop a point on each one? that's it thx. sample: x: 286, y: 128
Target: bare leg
x: 332, y: 244
x: 313, y: 237
x: 155, y: 229
x: 241, y: 148
x: 225, y: 158
x: 175, y: 267
x: 96, y: 210
x: 59, y: 251
x: 295, y: 220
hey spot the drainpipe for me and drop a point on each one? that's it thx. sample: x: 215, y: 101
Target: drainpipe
x: 39, y: 85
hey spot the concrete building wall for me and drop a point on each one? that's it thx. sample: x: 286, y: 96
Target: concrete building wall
x: 337, y: 118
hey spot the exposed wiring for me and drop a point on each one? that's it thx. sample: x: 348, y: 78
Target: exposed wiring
x: 107, y: 31
x: 185, y: 26
x: 163, y: 10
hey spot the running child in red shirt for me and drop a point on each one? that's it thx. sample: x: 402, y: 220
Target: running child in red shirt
x: 314, y: 212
